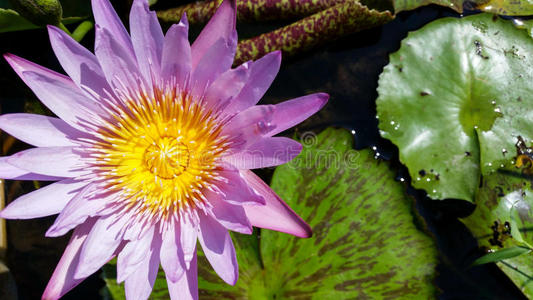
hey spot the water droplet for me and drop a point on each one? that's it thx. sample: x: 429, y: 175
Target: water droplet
x: 475, y: 127
x: 501, y: 166
x: 428, y: 180
x: 489, y: 164
x: 434, y: 191
x: 504, y: 151
x: 497, y: 110
x: 402, y: 179
x: 493, y: 102
x: 418, y: 179
x: 374, y: 148
x: 392, y: 122
x: 353, y: 131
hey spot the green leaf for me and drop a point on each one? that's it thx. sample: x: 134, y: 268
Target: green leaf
x: 501, y: 7
x: 455, y: 99
x: 10, y: 20
x: 401, y: 5
x: 501, y: 255
x: 503, y: 218
x: 365, y: 243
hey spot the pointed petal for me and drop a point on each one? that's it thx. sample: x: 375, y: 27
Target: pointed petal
x: 292, y: 112
x: 9, y: 171
x: 232, y: 217
x: 276, y: 214
x: 251, y: 124
x: 119, y: 66
x: 76, y: 211
x: 100, y: 245
x: 176, y: 59
x: 31, y: 129
x: 139, y: 284
x: 147, y: 38
x: 186, y: 288
x: 262, y: 74
x: 106, y: 17
x: 79, y: 63
x: 217, y: 60
x: 53, y: 161
x: 63, y: 280
x: 226, y: 86
x: 221, y: 25
x: 172, y: 254
x: 45, y: 201
x: 132, y: 255
x: 218, y: 249
x: 59, y: 93
x: 266, y: 152
x: 237, y: 191
x: 188, y: 238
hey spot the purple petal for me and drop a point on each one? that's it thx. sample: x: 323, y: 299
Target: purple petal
x: 139, y: 284
x: 100, y: 245
x: 171, y: 253
x: 188, y: 238
x: 217, y: 59
x: 266, y: 152
x: 106, y: 17
x: 9, y: 171
x: 176, y: 61
x: 59, y: 93
x: 276, y: 214
x: 119, y: 66
x: 221, y: 25
x: 186, y: 288
x: 251, y: 124
x: 218, y: 249
x: 53, y: 161
x: 262, y: 74
x: 147, y: 38
x: 81, y: 207
x: 292, y: 112
x: 226, y: 86
x: 63, y: 280
x: 45, y: 201
x: 38, y: 130
x: 237, y: 191
x: 79, y: 63
x: 232, y: 217
x: 132, y: 255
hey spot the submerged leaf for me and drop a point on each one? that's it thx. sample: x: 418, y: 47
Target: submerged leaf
x: 502, y: 254
x: 455, y: 99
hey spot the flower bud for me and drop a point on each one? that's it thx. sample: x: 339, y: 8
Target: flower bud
x: 39, y: 12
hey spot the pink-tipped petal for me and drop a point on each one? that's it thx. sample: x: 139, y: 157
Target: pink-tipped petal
x: 52, y: 161
x: 45, y: 201
x: 139, y: 284
x: 119, y: 66
x: 292, y: 112
x: 266, y: 152
x: 188, y: 238
x: 276, y: 214
x: 147, y: 38
x: 59, y: 93
x: 176, y: 61
x: 63, y: 280
x: 171, y: 253
x: 100, y: 245
x: 106, y: 17
x: 79, y: 63
x: 132, y: 255
x: 251, y: 124
x: 221, y: 25
x: 186, y: 288
x: 262, y: 74
x: 218, y: 249
x: 9, y: 171
x: 237, y: 191
x: 81, y: 207
x: 226, y: 86
x: 38, y: 130
x: 232, y: 217
x: 217, y: 60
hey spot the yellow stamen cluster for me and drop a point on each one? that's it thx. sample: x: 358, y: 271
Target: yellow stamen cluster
x: 159, y: 152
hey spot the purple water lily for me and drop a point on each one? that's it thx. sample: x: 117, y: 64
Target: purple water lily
x: 152, y: 150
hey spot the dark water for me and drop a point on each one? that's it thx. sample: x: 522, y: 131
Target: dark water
x: 348, y: 70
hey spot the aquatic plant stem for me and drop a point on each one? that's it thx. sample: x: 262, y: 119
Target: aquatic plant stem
x: 79, y: 33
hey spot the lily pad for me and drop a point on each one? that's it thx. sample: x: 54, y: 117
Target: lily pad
x: 503, y: 219
x: 365, y: 242
x: 455, y: 99
x: 501, y: 7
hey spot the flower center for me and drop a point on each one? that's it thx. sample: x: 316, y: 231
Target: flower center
x: 167, y: 159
